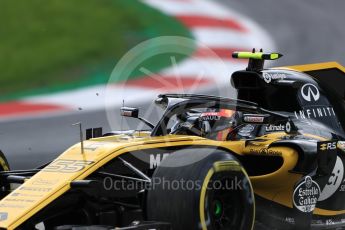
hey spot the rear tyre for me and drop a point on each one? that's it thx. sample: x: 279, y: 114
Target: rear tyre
x: 4, y: 166
x: 213, y: 193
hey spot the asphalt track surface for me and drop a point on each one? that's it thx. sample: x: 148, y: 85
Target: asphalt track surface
x: 306, y: 31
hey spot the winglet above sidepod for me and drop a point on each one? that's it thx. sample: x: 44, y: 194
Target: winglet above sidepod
x: 256, y: 55
x: 256, y: 59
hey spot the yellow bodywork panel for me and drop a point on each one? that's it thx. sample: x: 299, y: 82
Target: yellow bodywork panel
x: 316, y: 66
x: 54, y: 179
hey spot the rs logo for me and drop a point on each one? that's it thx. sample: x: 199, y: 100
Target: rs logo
x: 328, y: 146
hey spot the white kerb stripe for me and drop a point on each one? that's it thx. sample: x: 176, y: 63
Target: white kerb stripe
x: 200, y: 8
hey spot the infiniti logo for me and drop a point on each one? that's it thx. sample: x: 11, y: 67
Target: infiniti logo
x: 310, y: 92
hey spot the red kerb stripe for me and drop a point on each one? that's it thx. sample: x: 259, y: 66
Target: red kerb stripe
x: 204, y: 21
x: 17, y: 108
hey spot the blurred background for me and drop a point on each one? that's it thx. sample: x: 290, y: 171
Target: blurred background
x: 50, y: 50
x: 57, y: 45
x: 305, y: 31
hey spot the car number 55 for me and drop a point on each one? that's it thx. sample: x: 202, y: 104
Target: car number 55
x: 67, y: 166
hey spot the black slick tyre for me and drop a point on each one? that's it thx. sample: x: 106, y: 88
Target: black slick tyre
x: 4, y: 166
x: 211, y: 192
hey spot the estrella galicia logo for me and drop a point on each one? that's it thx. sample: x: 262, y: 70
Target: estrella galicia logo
x: 310, y: 92
x: 3, y: 216
x: 306, y: 194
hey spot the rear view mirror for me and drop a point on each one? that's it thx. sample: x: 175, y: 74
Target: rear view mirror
x: 162, y: 102
x: 134, y: 113
x: 129, y: 112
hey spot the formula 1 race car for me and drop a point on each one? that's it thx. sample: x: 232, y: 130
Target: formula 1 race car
x: 271, y: 159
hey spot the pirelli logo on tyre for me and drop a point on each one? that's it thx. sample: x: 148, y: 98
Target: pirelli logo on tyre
x: 226, y: 166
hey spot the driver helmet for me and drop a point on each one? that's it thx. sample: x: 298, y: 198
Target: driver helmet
x: 218, y: 124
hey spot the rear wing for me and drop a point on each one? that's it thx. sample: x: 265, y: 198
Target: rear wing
x: 331, y: 74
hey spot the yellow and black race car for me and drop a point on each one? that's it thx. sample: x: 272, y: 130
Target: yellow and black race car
x: 272, y: 159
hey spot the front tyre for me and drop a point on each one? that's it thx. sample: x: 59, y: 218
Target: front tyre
x: 4, y: 166
x: 213, y: 193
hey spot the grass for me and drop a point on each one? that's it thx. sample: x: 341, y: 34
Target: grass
x: 60, y: 44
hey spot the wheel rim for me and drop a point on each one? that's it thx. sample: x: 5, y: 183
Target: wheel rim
x: 217, y: 208
x: 224, y: 208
